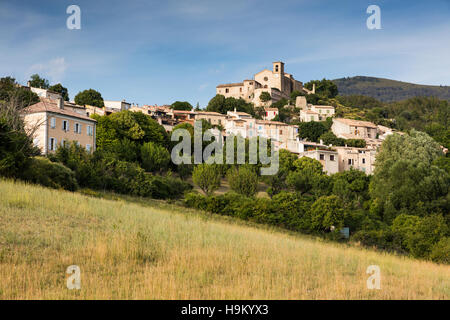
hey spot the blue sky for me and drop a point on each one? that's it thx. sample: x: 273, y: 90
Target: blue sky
x: 157, y: 52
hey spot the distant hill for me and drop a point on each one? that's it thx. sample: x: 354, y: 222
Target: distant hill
x: 387, y: 90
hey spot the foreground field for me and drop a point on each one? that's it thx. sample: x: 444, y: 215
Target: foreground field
x: 135, y: 251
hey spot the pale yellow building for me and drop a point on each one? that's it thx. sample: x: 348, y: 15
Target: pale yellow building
x: 214, y: 118
x: 357, y: 158
x: 354, y: 129
x: 57, y: 123
x: 276, y: 82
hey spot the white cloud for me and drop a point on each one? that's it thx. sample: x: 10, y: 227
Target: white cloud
x: 54, y: 69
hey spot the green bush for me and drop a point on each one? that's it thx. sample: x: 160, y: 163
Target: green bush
x: 50, y: 174
x: 440, y: 252
x: 154, y: 157
x: 243, y: 180
x: 327, y: 212
x: 206, y: 177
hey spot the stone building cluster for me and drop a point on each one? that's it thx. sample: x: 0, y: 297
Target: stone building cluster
x: 276, y: 82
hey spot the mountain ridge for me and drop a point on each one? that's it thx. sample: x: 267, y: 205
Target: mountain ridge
x: 388, y: 90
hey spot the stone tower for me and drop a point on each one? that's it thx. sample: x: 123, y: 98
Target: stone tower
x: 278, y: 67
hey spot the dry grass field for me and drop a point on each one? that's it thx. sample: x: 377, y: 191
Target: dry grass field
x: 132, y: 250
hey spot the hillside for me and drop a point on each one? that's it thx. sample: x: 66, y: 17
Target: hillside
x: 152, y: 250
x: 387, y: 90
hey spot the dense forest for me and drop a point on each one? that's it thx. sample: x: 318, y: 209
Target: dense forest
x: 387, y: 90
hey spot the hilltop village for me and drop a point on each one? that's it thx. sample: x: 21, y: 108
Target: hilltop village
x: 63, y: 121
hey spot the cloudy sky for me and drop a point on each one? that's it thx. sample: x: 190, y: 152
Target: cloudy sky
x: 156, y: 52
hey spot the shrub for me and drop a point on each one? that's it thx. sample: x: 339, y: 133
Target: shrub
x: 154, y: 157
x: 243, y: 180
x: 49, y: 174
x: 206, y: 177
x: 327, y: 212
x: 440, y: 252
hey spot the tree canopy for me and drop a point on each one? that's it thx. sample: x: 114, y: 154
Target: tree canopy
x: 37, y: 82
x: 58, y: 88
x: 89, y: 97
x: 182, y: 105
x: 221, y: 104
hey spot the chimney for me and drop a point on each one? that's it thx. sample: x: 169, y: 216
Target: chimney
x: 60, y: 103
x: 29, y: 84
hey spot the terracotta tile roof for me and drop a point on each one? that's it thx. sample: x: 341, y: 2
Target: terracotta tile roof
x: 275, y: 123
x: 48, y: 105
x: 310, y: 112
x: 183, y: 112
x: 357, y: 123
x: 323, y: 107
x: 271, y: 109
x: 226, y: 85
x: 210, y: 113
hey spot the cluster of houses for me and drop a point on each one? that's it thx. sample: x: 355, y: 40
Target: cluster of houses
x: 57, y: 122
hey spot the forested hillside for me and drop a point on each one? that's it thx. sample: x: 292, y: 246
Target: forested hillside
x: 387, y: 90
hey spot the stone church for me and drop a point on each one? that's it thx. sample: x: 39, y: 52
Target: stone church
x: 276, y: 82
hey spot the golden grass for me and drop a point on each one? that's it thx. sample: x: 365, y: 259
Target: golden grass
x: 133, y: 251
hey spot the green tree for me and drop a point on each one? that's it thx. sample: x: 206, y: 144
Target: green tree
x: 350, y: 186
x: 37, y: 82
x: 89, y: 97
x: 330, y: 138
x: 327, y: 212
x: 10, y: 90
x: 405, y: 180
x: 265, y: 96
x: 243, y: 180
x: 16, y: 145
x: 181, y: 105
x: 308, y: 177
x: 206, y: 177
x: 311, y: 130
x: 325, y: 88
x: 277, y: 182
x: 58, y: 88
x: 154, y: 157
x: 221, y: 104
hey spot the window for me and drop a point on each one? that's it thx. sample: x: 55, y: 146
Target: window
x: 220, y: 122
x: 363, y: 160
x: 350, y: 162
x: 52, y: 144
x: 63, y: 142
x: 90, y: 132
x: 276, y: 68
x: 77, y: 128
x: 240, y: 89
x: 322, y: 157
x: 65, y: 125
x: 259, y: 127
x: 52, y: 123
x: 227, y: 90
x: 266, y: 79
x: 328, y: 111
x: 331, y: 157
x: 281, y: 131
x: 88, y: 148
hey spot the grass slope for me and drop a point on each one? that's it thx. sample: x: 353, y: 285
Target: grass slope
x: 387, y: 90
x: 152, y: 250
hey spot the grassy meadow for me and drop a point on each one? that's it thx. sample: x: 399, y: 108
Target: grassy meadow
x: 155, y: 250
